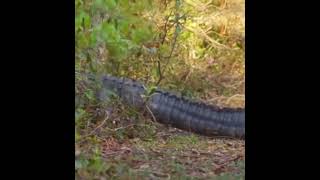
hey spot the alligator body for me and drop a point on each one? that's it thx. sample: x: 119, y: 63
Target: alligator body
x: 178, y: 111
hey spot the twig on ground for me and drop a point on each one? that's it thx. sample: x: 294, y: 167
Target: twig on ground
x: 153, y: 117
x: 234, y: 96
x: 95, y: 129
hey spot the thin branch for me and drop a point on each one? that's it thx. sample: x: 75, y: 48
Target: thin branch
x: 176, y: 33
x: 159, y: 70
x: 153, y: 117
x: 93, y: 131
x: 241, y: 96
x: 168, y: 58
x: 165, y: 28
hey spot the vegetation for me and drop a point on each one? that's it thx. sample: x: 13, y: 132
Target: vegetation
x: 195, y: 47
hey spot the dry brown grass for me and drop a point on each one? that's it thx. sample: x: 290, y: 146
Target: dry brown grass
x: 208, y: 63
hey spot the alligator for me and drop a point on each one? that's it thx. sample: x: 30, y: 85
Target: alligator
x: 175, y: 110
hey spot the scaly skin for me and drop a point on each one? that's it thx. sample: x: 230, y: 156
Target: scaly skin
x: 178, y: 111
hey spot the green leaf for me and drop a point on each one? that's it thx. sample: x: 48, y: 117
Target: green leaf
x: 155, y: 72
x: 89, y: 94
x: 82, y: 41
x: 110, y: 4
x: 141, y: 35
x: 109, y: 33
x: 124, y: 26
x: 79, y: 114
x: 77, y: 136
x: 151, y: 90
x: 82, y: 19
x: 81, y: 163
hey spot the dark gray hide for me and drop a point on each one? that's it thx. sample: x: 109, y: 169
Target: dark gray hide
x: 178, y: 111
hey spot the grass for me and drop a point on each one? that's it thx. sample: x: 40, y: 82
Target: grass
x: 114, y: 141
x: 152, y: 150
